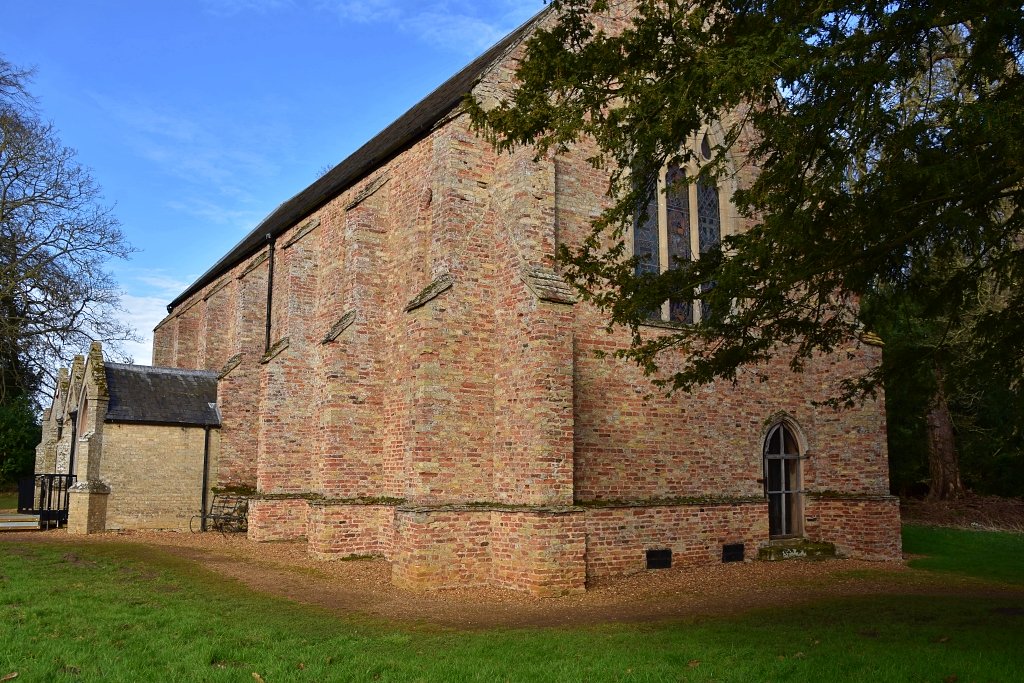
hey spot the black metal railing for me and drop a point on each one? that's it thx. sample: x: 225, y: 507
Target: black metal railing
x: 45, y: 495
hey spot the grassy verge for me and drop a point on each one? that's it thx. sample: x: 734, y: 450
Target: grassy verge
x: 127, y: 613
x: 991, y: 555
x: 8, y: 499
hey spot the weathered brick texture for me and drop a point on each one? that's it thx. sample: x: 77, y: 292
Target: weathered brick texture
x: 155, y: 475
x: 433, y: 393
x: 350, y: 530
x: 278, y: 519
x: 866, y: 528
x: 618, y: 538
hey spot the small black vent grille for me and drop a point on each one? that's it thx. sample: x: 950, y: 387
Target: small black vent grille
x: 659, y: 559
x: 732, y: 552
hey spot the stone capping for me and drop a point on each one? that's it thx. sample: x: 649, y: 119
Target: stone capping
x: 664, y: 324
x: 337, y: 328
x: 838, y: 495
x: 671, y: 502
x: 401, y: 505
x: 490, y: 507
x: 232, y: 363
x: 216, y: 288
x: 453, y: 114
x: 311, y: 225
x: 871, y: 339
x: 316, y: 500
x: 89, y: 486
x: 547, y: 285
x: 279, y: 346
x: 255, y: 263
x: 441, y: 284
x: 368, y: 190
x: 307, y: 496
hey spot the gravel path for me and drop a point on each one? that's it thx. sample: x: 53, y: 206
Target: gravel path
x: 364, y: 587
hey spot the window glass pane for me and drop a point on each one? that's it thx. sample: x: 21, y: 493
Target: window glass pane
x: 645, y: 236
x: 792, y: 514
x: 774, y: 468
x: 709, y: 220
x: 677, y: 203
x: 791, y: 447
x: 705, y: 307
x: 775, y: 442
x: 790, y: 467
x: 681, y: 311
x: 775, y: 515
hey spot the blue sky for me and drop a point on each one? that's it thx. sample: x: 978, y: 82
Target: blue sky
x: 199, y: 117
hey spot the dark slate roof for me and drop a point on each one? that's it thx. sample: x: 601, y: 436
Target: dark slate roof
x: 406, y: 130
x: 151, y: 395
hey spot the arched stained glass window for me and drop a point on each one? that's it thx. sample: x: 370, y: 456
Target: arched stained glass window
x: 782, y: 483
x: 679, y: 221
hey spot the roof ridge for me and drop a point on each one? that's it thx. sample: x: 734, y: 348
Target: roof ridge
x: 397, y: 136
x: 163, y: 369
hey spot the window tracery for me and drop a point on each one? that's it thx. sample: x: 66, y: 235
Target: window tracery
x: 680, y: 221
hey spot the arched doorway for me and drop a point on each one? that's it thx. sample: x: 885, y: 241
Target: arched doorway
x: 782, y: 482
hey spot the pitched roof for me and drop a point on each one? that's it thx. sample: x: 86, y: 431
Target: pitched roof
x: 403, y: 132
x: 152, y: 395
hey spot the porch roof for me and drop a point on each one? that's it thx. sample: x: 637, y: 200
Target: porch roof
x: 155, y: 395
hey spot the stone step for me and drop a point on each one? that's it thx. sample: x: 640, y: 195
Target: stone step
x: 16, y: 522
x: 796, y: 549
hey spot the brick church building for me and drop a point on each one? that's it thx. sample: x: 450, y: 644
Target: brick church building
x: 402, y: 372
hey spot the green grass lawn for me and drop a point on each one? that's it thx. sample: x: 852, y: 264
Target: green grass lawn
x: 991, y: 555
x: 8, y: 499
x: 128, y: 613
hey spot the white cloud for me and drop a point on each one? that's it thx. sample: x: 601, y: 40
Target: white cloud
x: 231, y: 7
x: 142, y: 313
x: 217, y: 213
x: 457, y: 25
x: 363, y: 11
x: 199, y: 149
x: 164, y: 284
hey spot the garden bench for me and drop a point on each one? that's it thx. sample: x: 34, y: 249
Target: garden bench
x: 228, y: 512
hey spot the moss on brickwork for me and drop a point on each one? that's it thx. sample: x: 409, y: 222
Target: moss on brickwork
x: 235, y: 490
x: 797, y: 549
x: 682, y: 500
x: 364, y: 500
x: 99, y: 374
x: 436, y: 288
x: 840, y: 495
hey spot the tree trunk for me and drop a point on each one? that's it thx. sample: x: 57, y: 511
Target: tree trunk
x: 943, y: 462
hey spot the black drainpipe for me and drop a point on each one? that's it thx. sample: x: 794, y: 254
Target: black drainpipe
x: 206, y: 475
x: 270, y: 289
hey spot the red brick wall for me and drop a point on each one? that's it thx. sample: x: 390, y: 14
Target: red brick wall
x: 539, y: 552
x: 485, y: 394
x: 343, y: 530
x: 441, y: 548
x: 863, y: 528
x: 163, y: 342
x: 351, y: 380
x: 618, y: 538
x: 278, y: 520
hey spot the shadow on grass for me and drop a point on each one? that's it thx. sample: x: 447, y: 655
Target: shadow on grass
x: 131, y: 612
x: 989, y: 555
